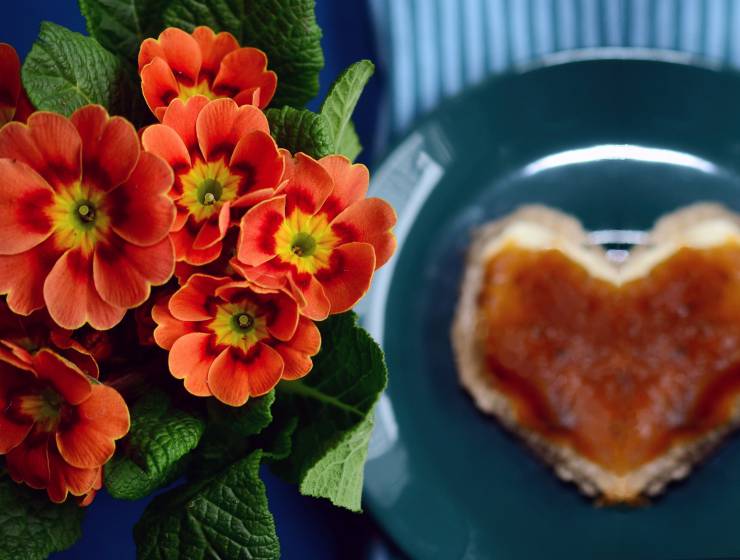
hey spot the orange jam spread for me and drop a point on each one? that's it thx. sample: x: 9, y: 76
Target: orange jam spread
x: 620, y: 374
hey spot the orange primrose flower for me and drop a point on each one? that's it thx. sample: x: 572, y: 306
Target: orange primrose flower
x: 84, y: 218
x: 224, y: 160
x: 58, y: 426
x: 319, y: 238
x: 14, y: 103
x: 233, y: 340
x: 179, y: 65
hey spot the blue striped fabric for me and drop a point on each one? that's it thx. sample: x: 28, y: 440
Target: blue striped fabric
x: 432, y: 49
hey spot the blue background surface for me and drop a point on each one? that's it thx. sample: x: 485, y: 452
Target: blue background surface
x: 307, y: 528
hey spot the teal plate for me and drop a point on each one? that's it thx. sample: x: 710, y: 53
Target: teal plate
x: 615, y: 142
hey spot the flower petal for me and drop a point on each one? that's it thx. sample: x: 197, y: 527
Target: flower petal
x: 282, y: 320
x: 213, y: 231
x: 235, y: 376
x: 49, y: 144
x: 348, y: 277
x: 66, y: 377
x: 350, y: 183
x: 246, y: 69
x: 110, y: 146
x: 256, y: 244
x: 192, y: 301
x: 166, y: 143
x: 12, y: 429
x: 185, y: 251
x: 88, y: 498
x: 12, y: 433
x: 369, y: 221
x: 60, y: 147
x: 297, y: 351
x: 65, y: 479
x: 267, y: 276
x: 149, y: 50
x: 214, y: 47
x: 169, y: 329
x: 190, y: 358
x: 256, y: 156
x: 22, y: 276
x: 71, y: 297
x: 159, y: 86
x: 140, y: 210
x: 317, y: 304
x: 182, y: 53
x: 29, y: 462
x: 181, y: 116
x: 308, y: 184
x: 75, y: 352
x: 24, y: 198
x: 103, y: 418
x: 16, y: 143
x: 124, y: 272
x: 221, y: 124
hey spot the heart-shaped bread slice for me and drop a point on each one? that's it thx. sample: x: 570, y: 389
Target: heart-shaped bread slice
x: 622, y: 375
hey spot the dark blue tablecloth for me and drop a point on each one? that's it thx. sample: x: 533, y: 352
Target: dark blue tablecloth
x: 307, y: 528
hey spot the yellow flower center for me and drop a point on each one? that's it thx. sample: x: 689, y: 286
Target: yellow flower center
x: 44, y: 408
x: 205, y: 188
x: 305, y: 241
x: 78, y: 217
x: 241, y: 325
x: 201, y: 88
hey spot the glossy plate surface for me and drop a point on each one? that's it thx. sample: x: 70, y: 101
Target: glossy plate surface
x: 616, y: 143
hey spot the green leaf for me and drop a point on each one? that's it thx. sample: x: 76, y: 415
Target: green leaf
x: 350, y: 144
x: 287, y: 31
x: 225, y: 516
x: 300, y: 130
x: 219, y: 15
x: 66, y: 70
x: 31, y: 527
x: 153, y: 453
x: 338, y: 475
x: 121, y: 25
x: 241, y: 421
x: 334, y: 404
x: 341, y: 101
x: 276, y: 440
x: 227, y: 437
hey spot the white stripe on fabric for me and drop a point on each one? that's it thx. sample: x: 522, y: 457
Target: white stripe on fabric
x: 716, y: 30
x: 427, y: 54
x: 639, y: 23
x: 496, y: 35
x: 612, y: 12
x: 567, y: 32
x: 543, y: 26
x: 690, y: 22
x: 475, y: 57
x: 449, y: 23
x: 735, y: 37
x: 403, y: 63
x: 589, y: 23
x: 664, y: 31
x: 519, y: 14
